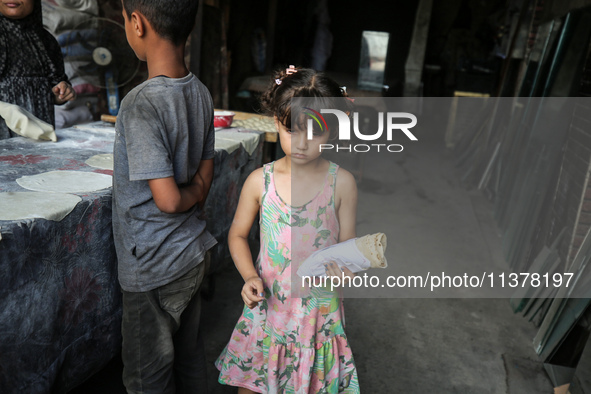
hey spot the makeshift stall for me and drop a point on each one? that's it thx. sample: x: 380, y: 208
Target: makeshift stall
x: 60, y: 301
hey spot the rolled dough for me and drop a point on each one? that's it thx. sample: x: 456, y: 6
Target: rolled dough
x: 104, y: 161
x: 31, y: 205
x: 66, y: 182
x: 25, y: 123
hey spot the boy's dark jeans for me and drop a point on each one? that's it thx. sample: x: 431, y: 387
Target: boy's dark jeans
x: 162, y: 352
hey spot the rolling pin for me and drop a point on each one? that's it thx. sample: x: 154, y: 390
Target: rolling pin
x: 109, y: 118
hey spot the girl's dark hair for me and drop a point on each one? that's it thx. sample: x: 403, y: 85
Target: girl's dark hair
x: 306, y: 82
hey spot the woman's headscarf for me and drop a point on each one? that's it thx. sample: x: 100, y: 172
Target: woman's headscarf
x: 32, y: 27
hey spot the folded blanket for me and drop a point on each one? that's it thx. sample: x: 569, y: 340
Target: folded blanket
x: 90, y: 6
x: 71, y: 116
x: 25, y: 123
x: 70, y: 37
x: 56, y: 19
x: 357, y: 254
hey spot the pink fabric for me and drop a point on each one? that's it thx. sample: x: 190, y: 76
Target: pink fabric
x: 289, y: 344
x: 85, y: 88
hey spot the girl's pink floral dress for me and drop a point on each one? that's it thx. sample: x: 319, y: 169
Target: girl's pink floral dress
x: 285, y: 344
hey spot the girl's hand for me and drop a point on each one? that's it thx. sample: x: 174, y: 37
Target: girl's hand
x: 332, y: 269
x: 252, y: 291
x: 63, y: 92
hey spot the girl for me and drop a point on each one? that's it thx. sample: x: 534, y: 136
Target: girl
x: 284, y: 344
x: 31, y: 64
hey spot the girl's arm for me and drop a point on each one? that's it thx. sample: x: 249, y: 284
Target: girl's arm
x: 246, y: 212
x: 346, y: 204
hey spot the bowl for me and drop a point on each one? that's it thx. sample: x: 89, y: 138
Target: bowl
x: 222, y: 118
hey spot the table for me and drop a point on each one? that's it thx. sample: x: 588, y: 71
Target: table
x: 60, y: 301
x: 266, y: 124
x: 241, y: 119
x: 231, y: 168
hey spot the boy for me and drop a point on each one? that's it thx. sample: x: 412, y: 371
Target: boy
x: 163, y: 153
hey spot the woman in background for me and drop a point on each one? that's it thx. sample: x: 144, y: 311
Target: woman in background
x: 31, y: 64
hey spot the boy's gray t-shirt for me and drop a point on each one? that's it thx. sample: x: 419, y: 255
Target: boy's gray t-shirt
x: 164, y: 128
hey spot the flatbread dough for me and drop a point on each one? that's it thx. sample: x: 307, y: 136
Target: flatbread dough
x: 66, y: 182
x: 104, y: 161
x: 30, y: 205
x: 25, y: 123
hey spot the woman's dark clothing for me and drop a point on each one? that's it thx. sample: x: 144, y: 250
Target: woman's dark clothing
x: 31, y: 63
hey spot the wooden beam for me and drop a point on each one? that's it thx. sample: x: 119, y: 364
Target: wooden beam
x: 418, y: 45
x: 196, y: 36
x: 271, y: 22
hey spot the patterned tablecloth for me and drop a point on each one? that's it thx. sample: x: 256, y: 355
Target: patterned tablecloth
x: 60, y: 301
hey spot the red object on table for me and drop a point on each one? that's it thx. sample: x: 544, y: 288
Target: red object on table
x: 223, y: 118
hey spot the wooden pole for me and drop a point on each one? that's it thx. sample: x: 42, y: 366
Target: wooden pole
x: 507, y: 62
x: 196, y: 35
x: 271, y: 22
x: 418, y: 45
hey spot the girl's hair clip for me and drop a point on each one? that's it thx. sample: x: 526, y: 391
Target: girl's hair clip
x: 288, y: 71
x: 344, y: 91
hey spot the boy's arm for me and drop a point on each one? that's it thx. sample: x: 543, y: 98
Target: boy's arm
x: 170, y: 198
x: 205, y: 172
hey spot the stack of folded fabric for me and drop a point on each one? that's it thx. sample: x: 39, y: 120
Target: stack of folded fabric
x: 77, y: 47
x: 63, y: 19
x: 61, y: 15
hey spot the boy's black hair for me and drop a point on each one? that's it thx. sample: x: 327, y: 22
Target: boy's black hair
x: 171, y: 19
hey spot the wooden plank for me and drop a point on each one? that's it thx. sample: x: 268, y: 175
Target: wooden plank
x: 515, y: 32
x: 541, y: 293
x: 523, y: 293
x: 552, y: 319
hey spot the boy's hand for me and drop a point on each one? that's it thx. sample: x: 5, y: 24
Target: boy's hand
x: 63, y: 92
x: 170, y: 198
x: 252, y: 291
x: 198, y: 185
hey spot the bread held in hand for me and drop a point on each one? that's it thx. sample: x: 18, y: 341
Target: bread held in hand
x: 357, y: 254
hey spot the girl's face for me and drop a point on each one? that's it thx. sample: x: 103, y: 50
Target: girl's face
x: 297, y: 146
x: 16, y: 9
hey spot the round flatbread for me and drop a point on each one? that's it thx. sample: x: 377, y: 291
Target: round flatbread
x: 66, y: 182
x: 373, y: 248
x: 31, y: 205
x: 104, y: 161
